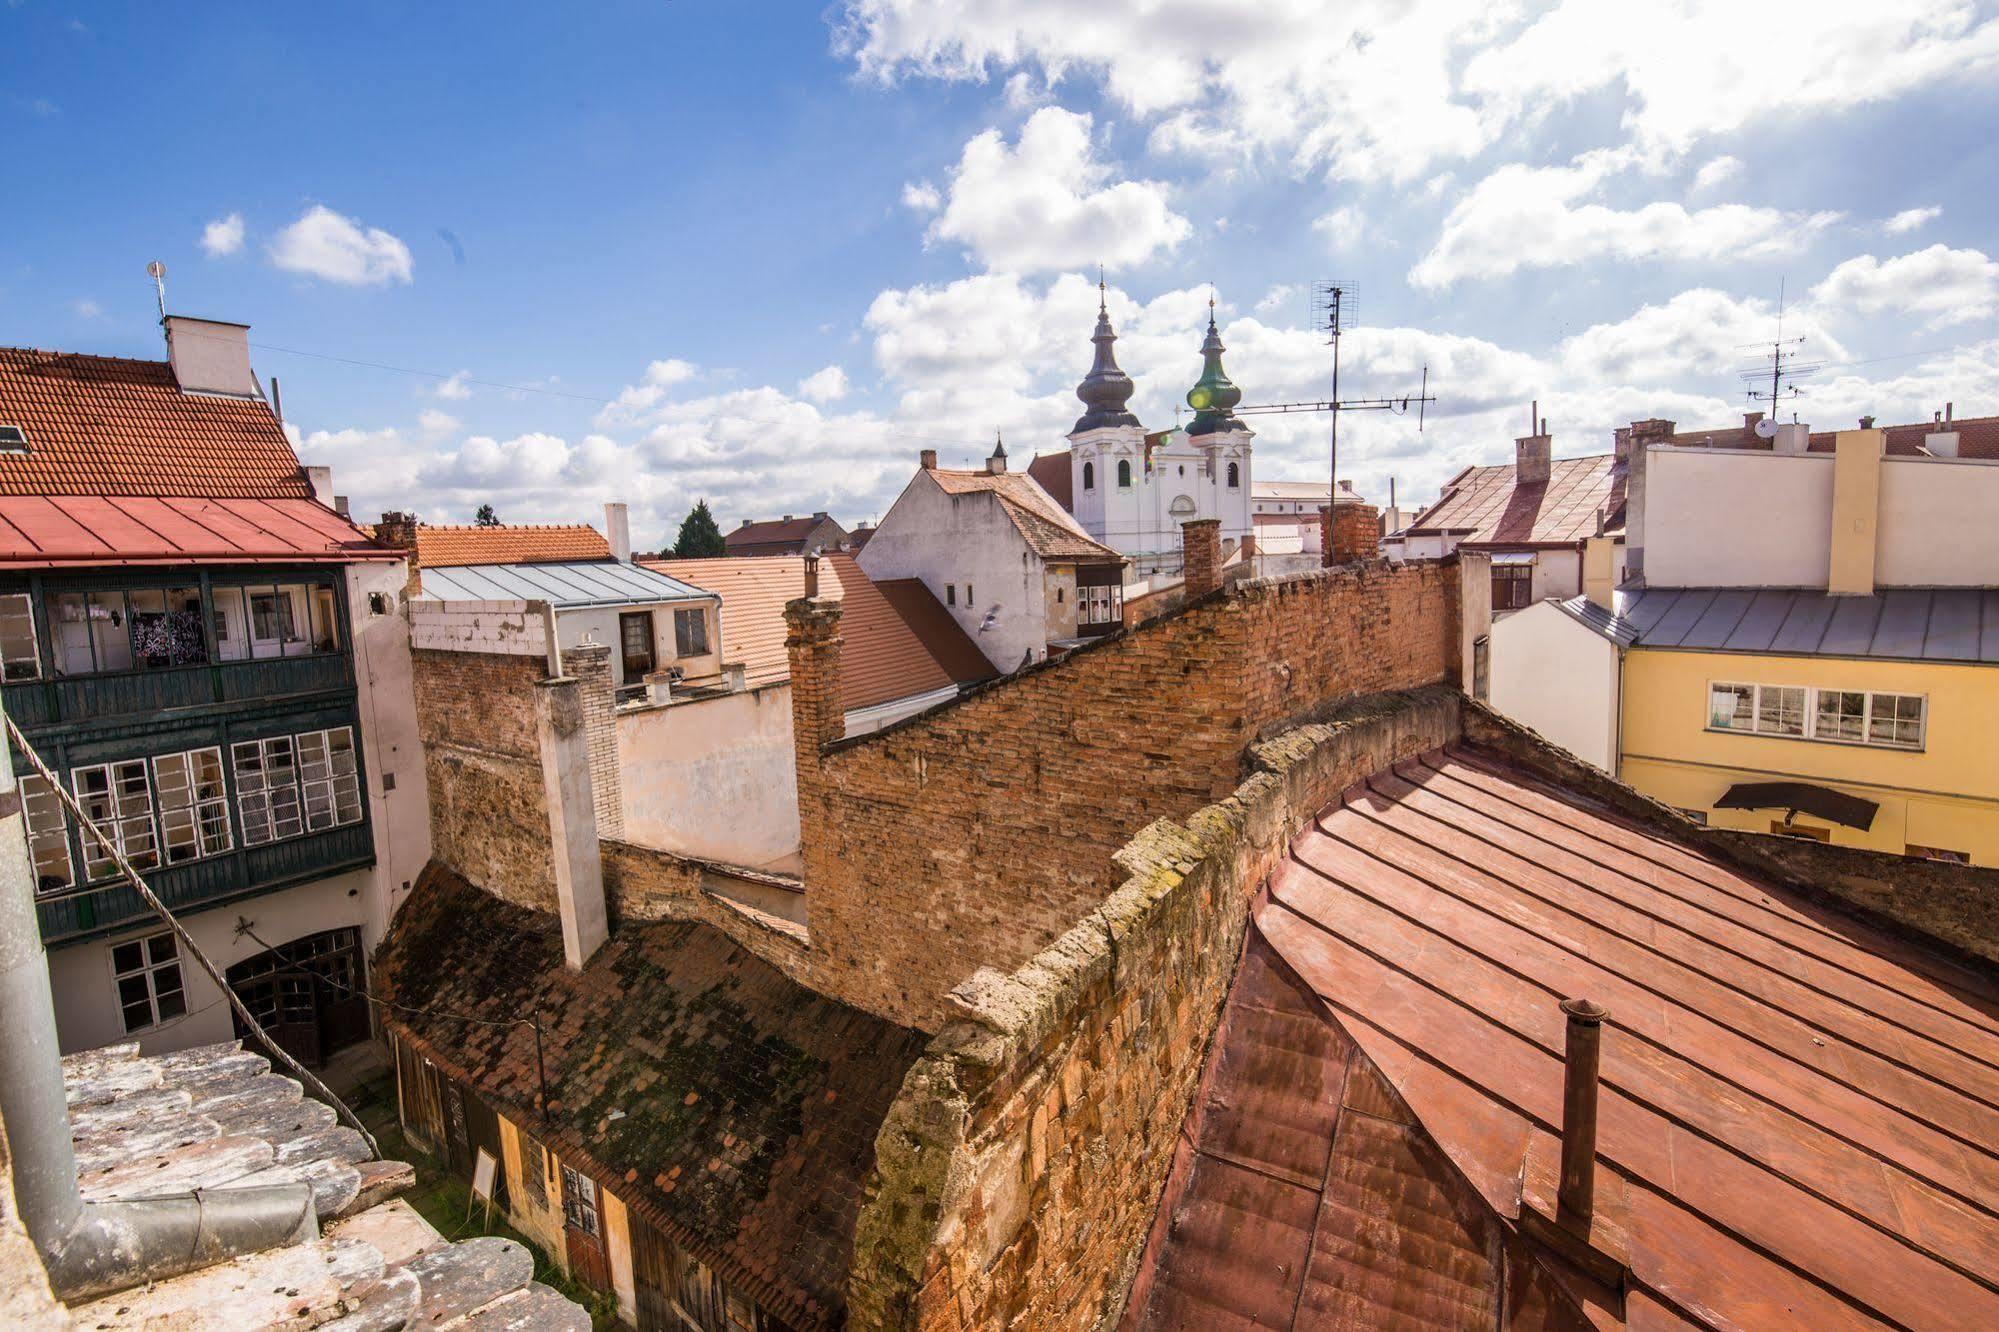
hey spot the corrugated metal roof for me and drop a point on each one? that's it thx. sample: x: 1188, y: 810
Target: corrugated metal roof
x: 55, y: 531
x: 1902, y: 624
x: 563, y: 586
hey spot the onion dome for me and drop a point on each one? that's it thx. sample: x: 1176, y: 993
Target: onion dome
x: 1106, y: 389
x: 1213, y: 396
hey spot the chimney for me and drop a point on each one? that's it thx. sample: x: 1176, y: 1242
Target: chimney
x: 1600, y: 568
x: 1749, y: 420
x: 1653, y: 431
x: 1533, y: 457
x: 209, y: 356
x: 1356, y: 532
x: 321, y: 481
x: 1201, y: 556
x: 927, y: 459
x: 618, y: 530
x: 1577, y: 1192
x: 564, y: 731
x: 1856, y: 511
x: 818, y: 711
x: 1793, y: 438
x: 398, y: 532
x: 811, y: 577
x: 340, y: 506
x: 1866, y: 423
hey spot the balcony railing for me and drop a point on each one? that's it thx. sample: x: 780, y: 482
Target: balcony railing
x: 244, y: 872
x: 67, y: 698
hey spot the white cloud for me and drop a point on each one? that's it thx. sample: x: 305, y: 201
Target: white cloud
x: 1048, y: 202
x: 1541, y: 217
x: 324, y: 244
x: 637, y: 399
x: 1716, y: 170
x: 1342, y: 228
x: 433, y: 422
x: 455, y: 389
x: 1277, y: 298
x: 825, y: 385
x: 85, y: 308
x: 223, y: 236
x: 1939, y: 285
x: 1698, y: 332
x: 1910, y: 219
x: 922, y: 196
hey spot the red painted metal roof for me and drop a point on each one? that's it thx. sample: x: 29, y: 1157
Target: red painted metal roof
x: 1490, y: 505
x: 54, y: 531
x: 1799, y: 1119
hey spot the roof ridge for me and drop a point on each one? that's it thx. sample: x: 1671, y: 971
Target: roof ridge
x: 88, y: 356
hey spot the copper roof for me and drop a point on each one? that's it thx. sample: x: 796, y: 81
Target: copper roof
x: 450, y: 547
x: 890, y: 648
x: 102, y: 425
x: 1489, y: 506
x: 46, y: 532
x: 1051, y: 471
x: 1047, y: 527
x: 746, y: 1105
x: 1800, y: 1114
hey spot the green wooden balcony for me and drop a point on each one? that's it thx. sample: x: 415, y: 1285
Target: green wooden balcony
x: 60, y: 700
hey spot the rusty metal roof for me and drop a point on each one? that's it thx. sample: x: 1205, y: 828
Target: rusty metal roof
x: 1490, y: 505
x: 1799, y: 1119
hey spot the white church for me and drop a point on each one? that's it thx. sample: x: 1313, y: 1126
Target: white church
x: 1132, y: 490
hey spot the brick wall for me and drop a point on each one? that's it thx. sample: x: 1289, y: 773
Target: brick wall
x: 591, y: 665
x: 641, y: 883
x: 1018, y: 1172
x: 975, y: 834
x: 1356, y: 533
x: 512, y: 628
x: 1201, y: 556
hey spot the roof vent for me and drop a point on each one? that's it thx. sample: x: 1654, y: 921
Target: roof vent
x: 13, y: 441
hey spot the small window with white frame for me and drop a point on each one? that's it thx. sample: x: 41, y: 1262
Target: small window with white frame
x: 48, y: 835
x: 329, y: 778
x: 118, y: 798
x: 267, y: 789
x: 148, y: 978
x: 20, y: 650
x: 1895, y: 719
x: 193, y: 803
x: 1835, y: 716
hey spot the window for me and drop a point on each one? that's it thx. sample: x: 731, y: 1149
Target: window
x: 1124, y: 474
x: 1481, y: 667
x: 166, y: 627
x: 20, y: 654
x: 119, y: 800
x: 48, y: 835
x: 1840, y: 716
x: 147, y: 973
x: 1089, y: 476
x: 969, y: 598
x: 1786, y: 828
x: 635, y: 644
x: 194, y: 806
x: 1512, y: 586
x: 272, y: 619
x: 534, y: 1171
x: 232, y: 624
x: 267, y: 789
x: 1099, y: 605
x: 690, y: 633
x: 950, y: 594
x: 325, y: 622
x: 110, y: 636
x: 329, y: 778
x: 1235, y: 476
x: 1694, y: 816
x: 1937, y: 853
x: 579, y: 1201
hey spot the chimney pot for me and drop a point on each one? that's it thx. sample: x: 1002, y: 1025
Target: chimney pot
x: 928, y: 460
x: 811, y: 576
x: 1580, y: 1083
x: 1866, y: 423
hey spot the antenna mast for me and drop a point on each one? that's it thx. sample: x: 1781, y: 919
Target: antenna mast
x: 1335, y: 300
x: 1785, y: 368
x: 157, y: 271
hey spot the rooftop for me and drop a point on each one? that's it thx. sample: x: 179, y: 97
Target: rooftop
x: 1797, y: 1120
x: 1978, y: 437
x: 452, y: 547
x: 574, y: 585
x: 216, y: 1117
x: 1051, y: 471
x: 1048, y: 528
x: 1902, y: 624
x: 105, y: 426
x: 739, y: 1108
x: 785, y: 531
x: 43, y: 532
x: 1488, y: 505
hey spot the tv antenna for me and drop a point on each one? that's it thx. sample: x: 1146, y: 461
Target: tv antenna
x: 1784, y: 371
x: 1334, y: 303
x: 157, y: 271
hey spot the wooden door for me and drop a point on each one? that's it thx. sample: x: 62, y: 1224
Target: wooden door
x: 635, y: 645
x: 583, y: 1231
x: 653, y: 1279
x: 482, y: 1133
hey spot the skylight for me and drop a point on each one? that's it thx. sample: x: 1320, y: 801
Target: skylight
x: 13, y: 439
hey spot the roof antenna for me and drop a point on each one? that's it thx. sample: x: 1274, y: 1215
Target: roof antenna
x: 157, y: 271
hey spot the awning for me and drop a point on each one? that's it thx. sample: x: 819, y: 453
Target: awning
x: 1801, y: 797
x: 1514, y: 557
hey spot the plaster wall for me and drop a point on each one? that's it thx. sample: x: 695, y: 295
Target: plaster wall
x: 714, y: 778
x: 1558, y: 677
x: 1736, y: 518
x: 600, y: 624
x: 392, y: 749
x: 1937, y: 527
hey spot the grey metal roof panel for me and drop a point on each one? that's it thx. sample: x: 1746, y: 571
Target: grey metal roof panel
x: 1762, y: 621
x: 1718, y: 623
x: 1953, y: 631
x: 1680, y: 617
x: 1988, y: 636
x: 1596, y: 617
x: 1804, y: 624
x: 1646, y: 609
x: 564, y: 586
x: 1903, y: 624
x: 1855, y: 621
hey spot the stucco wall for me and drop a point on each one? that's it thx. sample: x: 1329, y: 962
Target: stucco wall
x: 1140, y: 520
x: 1938, y: 526
x: 1736, y: 518
x: 392, y: 748
x: 601, y: 625
x: 1558, y: 677
x: 713, y: 778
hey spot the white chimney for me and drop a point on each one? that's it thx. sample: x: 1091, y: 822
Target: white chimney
x: 1794, y: 438
x: 210, y: 356
x: 618, y: 530
x: 1941, y: 443
x: 321, y: 479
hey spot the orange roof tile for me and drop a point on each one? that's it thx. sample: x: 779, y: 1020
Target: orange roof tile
x: 1491, y: 507
x: 775, y: 536
x: 455, y: 547
x: 102, y: 425
x: 1048, y: 528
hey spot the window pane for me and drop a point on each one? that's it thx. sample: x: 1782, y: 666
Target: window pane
x: 294, y: 620
x: 126, y: 957
x: 110, y: 634
x: 232, y: 625
x: 1780, y: 710
x: 1841, y: 715
x: 48, y: 834
x: 1896, y: 719
x: 325, y: 624
x: 184, y: 625
x: 690, y: 632
x: 69, y: 633
x: 1731, y: 706
x: 162, y: 948
x: 172, y: 1003
x: 20, y: 657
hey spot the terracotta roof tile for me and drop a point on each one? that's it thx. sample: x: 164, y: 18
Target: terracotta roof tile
x: 455, y: 547
x: 1797, y: 1125
x: 1048, y: 528
x: 756, y: 1100
x: 100, y: 425
x: 1491, y: 507
x: 775, y: 536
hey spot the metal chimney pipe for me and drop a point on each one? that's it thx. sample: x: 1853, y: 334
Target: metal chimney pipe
x: 811, y: 576
x: 1579, y: 1093
x: 96, y: 1248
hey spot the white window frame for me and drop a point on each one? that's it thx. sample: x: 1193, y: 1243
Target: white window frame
x: 1811, y: 731
x: 175, y: 778
x: 11, y: 658
x: 133, y: 831
x: 39, y: 802
x: 259, y: 800
x: 329, y: 777
x: 159, y: 975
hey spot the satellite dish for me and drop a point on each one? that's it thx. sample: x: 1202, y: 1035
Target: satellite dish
x: 156, y: 270
x: 1766, y: 428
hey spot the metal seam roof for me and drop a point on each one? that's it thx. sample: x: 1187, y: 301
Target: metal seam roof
x: 572, y: 586
x: 1897, y: 624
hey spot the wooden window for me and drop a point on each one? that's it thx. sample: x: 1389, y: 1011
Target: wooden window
x: 534, y: 1170
x: 1512, y: 586
x: 329, y: 778
x: 48, y: 835
x: 1838, y: 716
x: 1786, y: 828
x: 20, y: 652
x: 119, y: 800
x: 148, y: 978
x: 1481, y: 667
x: 690, y: 633
x: 194, y: 804
x: 1841, y: 714
x: 1780, y: 710
x: 267, y: 789
x: 325, y: 621
x: 579, y: 1202
x: 635, y: 644
x: 1895, y: 719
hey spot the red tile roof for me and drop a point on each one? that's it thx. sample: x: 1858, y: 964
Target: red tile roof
x: 935, y: 627
x: 776, y: 536
x: 890, y: 648
x: 1797, y: 1123
x: 1051, y: 471
x: 455, y: 547
x: 1047, y: 527
x: 1490, y: 506
x: 54, y: 531
x: 100, y: 425
x: 1978, y: 437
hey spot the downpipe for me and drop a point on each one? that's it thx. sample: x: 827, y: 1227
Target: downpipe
x: 92, y: 1249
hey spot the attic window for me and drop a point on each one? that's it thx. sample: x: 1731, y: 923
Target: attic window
x: 13, y: 439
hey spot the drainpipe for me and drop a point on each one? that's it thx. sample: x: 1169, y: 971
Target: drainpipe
x: 94, y: 1249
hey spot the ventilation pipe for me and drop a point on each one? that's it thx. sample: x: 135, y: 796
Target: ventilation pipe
x: 1577, y: 1192
x: 93, y: 1249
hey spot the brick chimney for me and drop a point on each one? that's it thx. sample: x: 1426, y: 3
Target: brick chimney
x: 398, y: 532
x: 1356, y: 533
x: 818, y: 714
x: 1533, y: 456
x: 928, y: 460
x: 1653, y: 431
x: 1326, y: 541
x: 1201, y: 555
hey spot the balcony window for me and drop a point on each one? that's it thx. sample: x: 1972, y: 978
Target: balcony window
x: 167, y: 628
x: 194, y: 804
x: 329, y: 778
x: 20, y: 653
x: 267, y: 800
x: 147, y: 974
x: 690, y: 633
x: 48, y: 835
x: 118, y: 798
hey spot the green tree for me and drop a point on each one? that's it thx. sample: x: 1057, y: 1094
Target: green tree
x: 699, y: 538
x: 486, y: 517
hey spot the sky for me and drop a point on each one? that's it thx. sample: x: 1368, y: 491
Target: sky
x: 763, y: 253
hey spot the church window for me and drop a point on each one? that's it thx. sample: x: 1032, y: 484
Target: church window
x: 1089, y: 476
x: 1124, y: 474
x: 1235, y: 476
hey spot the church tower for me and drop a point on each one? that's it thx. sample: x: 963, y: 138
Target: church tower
x: 1107, y: 456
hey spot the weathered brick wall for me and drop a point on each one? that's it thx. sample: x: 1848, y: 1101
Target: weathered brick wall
x: 1356, y: 533
x: 1018, y: 1173
x: 975, y: 834
x: 482, y: 762
x: 642, y: 883
x: 1201, y: 556
x: 591, y: 666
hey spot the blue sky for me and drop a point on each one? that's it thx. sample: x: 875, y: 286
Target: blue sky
x: 765, y: 252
